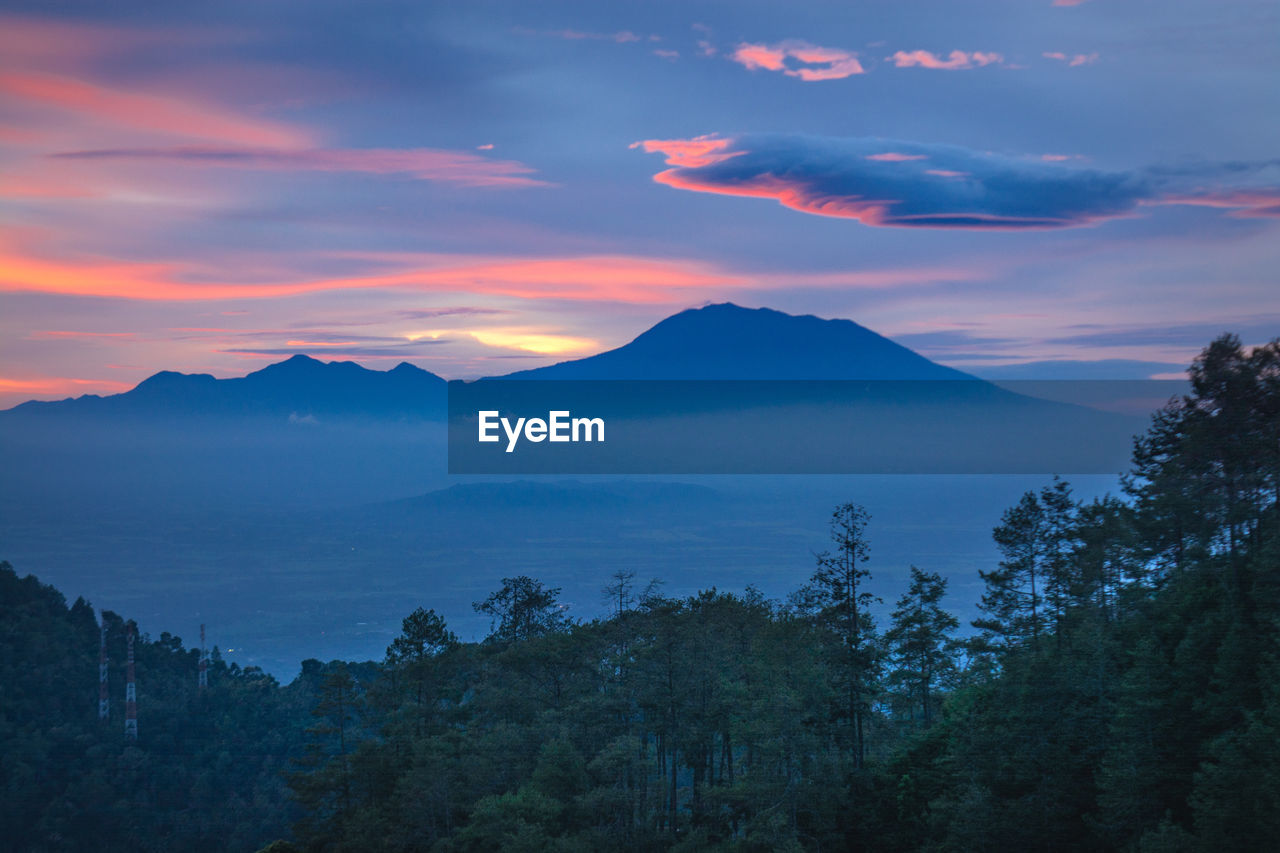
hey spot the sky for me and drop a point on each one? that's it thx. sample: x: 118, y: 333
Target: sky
x: 483, y: 187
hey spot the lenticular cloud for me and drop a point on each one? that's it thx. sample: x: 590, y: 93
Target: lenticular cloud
x: 892, y: 183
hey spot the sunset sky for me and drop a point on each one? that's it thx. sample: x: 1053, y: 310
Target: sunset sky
x: 483, y: 187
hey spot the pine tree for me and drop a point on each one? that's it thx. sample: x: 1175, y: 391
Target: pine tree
x: 1036, y: 581
x: 839, y: 602
x: 922, y: 651
x: 423, y: 637
x: 522, y: 609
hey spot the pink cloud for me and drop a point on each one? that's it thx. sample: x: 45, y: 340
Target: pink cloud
x: 1260, y: 203
x: 895, y: 157
x: 18, y: 135
x: 1069, y: 2
x: 756, y: 56
x: 58, y: 334
x: 1073, y: 60
x: 427, y: 164
x: 148, y: 112
x: 621, y: 36
x: 29, y: 42
x: 32, y: 186
x: 695, y: 152
x: 798, y: 59
x: 667, y: 54
x: 956, y: 60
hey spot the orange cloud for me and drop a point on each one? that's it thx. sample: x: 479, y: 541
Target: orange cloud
x: 533, y: 341
x: 787, y: 194
x: 60, y: 386
x: 809, y: 61
x: 72, y: 334
x: 955, y: 61
x: 154, y: 113
x: 610, y: 278
x: 593, y: 278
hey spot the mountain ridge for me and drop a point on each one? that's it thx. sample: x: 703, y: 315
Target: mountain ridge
x: 299, y: 386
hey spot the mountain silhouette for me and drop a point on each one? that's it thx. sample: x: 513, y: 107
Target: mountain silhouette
x: 301, y: 387
x: 723, y: 341
x: 727, y: 341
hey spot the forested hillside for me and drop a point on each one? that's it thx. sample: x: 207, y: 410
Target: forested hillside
x: 1120, y: 692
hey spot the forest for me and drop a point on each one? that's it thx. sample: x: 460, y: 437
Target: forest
x: 1121, y: 691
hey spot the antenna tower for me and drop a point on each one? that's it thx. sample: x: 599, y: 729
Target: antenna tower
x: 104, y: 703
x: 204, y: 662
x: 130, y: 695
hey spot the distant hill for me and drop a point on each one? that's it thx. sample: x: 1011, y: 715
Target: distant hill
x: 1106, y: 369
x: 727, y: 341
x: 301, y: 388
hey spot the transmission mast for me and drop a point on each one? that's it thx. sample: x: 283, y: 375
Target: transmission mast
x: 204, y: 662
x: 104, y: 703
x: 130, y: 695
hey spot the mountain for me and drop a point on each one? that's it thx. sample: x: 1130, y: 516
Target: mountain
x: 723, y: 341
x: 300, y: 388
x: 727, y: 341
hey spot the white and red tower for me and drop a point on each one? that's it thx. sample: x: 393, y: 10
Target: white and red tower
x: 130, y: 695
x: 204, y: 662
x: 104, y: 703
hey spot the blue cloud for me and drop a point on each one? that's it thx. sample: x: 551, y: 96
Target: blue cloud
x: 886, y: 182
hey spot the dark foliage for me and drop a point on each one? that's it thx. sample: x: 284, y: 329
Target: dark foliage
x: 206, y: 772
